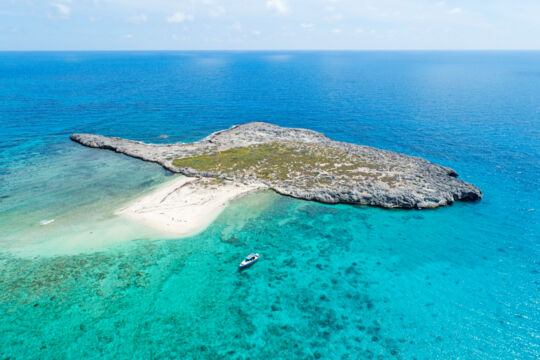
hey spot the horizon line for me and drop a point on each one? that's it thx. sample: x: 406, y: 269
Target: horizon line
x: 263, y: 50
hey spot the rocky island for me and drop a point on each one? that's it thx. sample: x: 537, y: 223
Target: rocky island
x: 304, y: 164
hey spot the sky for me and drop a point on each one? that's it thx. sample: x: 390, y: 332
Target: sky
x: 268, y: 24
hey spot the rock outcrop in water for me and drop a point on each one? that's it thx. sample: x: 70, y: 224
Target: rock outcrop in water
x: 304, y: 164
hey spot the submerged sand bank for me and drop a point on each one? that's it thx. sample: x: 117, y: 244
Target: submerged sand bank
x: 178, y: 208
x: 186, y: 205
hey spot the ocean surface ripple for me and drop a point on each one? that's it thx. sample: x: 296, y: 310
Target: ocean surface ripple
x: 333, y: 282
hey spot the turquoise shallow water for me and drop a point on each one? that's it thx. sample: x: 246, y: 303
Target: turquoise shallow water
x: 334, y: 281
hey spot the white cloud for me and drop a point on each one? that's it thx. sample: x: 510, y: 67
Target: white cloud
x: 218, y: 11
x: 236, y: 26
x: 279, y: 6
x: 333, y: 15
x: 62, y: 9
x: 179, y: 17
x: 138, y: 19
x: 256, y: 32
x: 128, y: 36
x: 336, y: 31
x: 422, y: 24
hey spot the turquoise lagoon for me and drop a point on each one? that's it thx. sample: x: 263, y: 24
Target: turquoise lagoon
x: 334, y: 282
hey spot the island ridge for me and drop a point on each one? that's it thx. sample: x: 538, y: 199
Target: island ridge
x: 304, y: 164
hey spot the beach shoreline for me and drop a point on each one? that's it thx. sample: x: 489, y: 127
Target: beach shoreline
x: 184, y: 206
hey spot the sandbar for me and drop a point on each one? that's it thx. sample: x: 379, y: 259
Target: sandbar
x: 185, y: 206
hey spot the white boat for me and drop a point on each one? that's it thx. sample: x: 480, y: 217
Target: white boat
x: 249, y: 260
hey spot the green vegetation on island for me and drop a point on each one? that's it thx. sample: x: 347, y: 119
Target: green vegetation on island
x: 287, y: 161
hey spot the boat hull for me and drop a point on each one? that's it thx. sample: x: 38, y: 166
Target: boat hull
x: 246, y: 265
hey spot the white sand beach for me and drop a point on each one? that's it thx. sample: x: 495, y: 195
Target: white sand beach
x: 184, y: 206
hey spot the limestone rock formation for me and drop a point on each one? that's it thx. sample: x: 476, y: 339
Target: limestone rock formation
x: 304, y: 164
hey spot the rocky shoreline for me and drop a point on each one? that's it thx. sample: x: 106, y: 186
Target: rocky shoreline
x: 304, y: 164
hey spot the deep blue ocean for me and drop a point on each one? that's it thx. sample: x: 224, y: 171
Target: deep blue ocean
x: 334, y: 282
